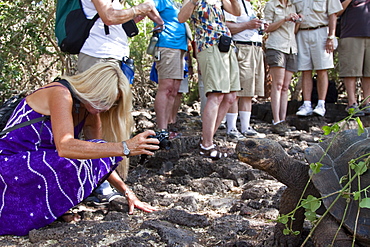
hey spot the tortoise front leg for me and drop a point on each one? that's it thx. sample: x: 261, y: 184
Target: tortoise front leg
x: 288, y: 202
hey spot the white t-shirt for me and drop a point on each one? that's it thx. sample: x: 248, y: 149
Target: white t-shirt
x: 98, y: 44
x: 247, y: 34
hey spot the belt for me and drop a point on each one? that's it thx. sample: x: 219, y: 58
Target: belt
x: 249, y: 43
x: 313, y: 28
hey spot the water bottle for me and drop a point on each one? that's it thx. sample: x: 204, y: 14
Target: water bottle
x: 130, y: 63
x: 128, y: 69
x: 153, y: 42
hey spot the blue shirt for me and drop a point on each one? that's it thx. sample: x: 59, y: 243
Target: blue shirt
x: 174, y: 35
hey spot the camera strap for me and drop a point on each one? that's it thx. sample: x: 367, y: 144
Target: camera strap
x: 245, y: 7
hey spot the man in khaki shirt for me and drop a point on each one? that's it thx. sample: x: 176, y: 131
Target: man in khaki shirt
x: 316, y: 43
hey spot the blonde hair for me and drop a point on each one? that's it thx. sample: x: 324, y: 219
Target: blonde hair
x: 99, y: 86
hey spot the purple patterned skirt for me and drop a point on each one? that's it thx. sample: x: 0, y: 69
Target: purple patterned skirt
x: 36, y: 185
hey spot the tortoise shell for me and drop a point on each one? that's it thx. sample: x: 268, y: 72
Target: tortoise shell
x: 346, y: 146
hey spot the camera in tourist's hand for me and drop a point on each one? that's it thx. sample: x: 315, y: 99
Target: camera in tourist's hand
x: 163, y: 137
x: 299, y: 20
x: 261, y: 30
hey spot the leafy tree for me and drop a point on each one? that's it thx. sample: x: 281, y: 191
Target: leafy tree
x: 28, y: 55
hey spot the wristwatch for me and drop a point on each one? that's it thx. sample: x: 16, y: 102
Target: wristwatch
x: 331, y: 37
x: 126, y: 150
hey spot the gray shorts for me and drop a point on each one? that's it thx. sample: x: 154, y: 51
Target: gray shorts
x: 184, y: 86
x: 275, y: 58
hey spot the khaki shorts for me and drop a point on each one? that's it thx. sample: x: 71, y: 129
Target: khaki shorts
x: 275, y: 58
x: 251, y: 70
x: 85, y: 61
x: 354, y: 57
x: 311, y: 50
x: 220, y: 71
x: 171, y: 64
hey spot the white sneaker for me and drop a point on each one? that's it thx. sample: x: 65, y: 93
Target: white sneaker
x: 235, y: 135
x: 250, y: 132
x: 319, y: 110
x: 304, y: 111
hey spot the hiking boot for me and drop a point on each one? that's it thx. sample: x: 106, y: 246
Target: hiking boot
x: 355, y: 110
x: 250, y: 132
x: 279, y: 128
x: 319, y: 110
x: 304, y: 111
x: 235, y: 135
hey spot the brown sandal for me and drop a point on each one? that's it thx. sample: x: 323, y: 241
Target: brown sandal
x: 214, y: 153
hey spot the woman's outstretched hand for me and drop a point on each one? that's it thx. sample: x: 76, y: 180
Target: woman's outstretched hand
x: 134, y: 202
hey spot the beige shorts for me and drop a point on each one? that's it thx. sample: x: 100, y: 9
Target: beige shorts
x: 85, y: 61
x: 251, y: 70
x: 354, y: 57
x: 171, y: 64
x: 220, y: 70
x: 311, y: 50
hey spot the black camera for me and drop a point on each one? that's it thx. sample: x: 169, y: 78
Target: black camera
x: 163, y: 137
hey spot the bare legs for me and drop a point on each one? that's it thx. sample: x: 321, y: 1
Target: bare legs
x: 322, y: 84
x: 164, y: 100
x: 350, y: 83
x: 175, y: 108
x: 214, y: 111
x: 281, y: 79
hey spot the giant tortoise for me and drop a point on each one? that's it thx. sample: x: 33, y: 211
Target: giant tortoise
x: 269, y: 156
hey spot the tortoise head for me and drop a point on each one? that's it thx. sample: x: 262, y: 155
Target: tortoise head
x: 260, y: 153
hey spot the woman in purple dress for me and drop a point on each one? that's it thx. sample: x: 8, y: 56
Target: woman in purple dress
x: 45, y: 169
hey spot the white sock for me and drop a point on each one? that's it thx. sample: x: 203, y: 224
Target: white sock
x: 321, y: 103
x: 307, y: 103
x: 231, y: 119
x: 245, y: 117
x: 277, y: 122
x: 210, y: 147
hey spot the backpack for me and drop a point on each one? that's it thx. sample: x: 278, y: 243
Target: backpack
x: 72, y: 27
x: 7, y: 109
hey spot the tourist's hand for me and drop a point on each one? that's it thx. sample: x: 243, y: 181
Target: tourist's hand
x: 255, y: 23
x: 292, y: 17
x: 134, y: 202
x: 142, y: 144
x: 329, y: 46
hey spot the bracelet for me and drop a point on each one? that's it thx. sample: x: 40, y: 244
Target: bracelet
x: 195, y: 3
x: 134, y: 11
x: 127, y: 192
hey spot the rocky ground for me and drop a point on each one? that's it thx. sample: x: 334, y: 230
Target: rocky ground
x: 200, y: 202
